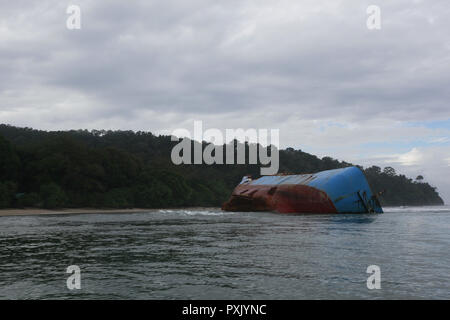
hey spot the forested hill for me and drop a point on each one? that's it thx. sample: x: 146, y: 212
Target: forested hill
x: 123, y: 169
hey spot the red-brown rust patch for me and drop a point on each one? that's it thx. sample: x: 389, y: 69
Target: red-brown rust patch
x: 281, y: 198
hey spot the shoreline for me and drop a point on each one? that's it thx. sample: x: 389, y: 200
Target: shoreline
x: 42, y: 212
x: 68, y: 211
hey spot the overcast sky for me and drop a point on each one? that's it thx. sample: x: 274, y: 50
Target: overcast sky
x: 310, y: 68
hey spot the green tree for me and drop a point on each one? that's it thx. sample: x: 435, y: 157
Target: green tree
x: 389, y: 171
x: 53, y: 196
x: 9, y: 161
x: 7, y: 194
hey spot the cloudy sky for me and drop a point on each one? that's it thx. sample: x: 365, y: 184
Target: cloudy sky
x: 310, y: 68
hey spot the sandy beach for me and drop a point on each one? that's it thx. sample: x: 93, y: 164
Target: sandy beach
x: 30, y: 212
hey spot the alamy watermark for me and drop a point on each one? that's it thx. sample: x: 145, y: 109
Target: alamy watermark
x: 73, y: 22
x: 374, y: 280
x: 259, y: 147
x: 74, y: 280
x: 374, y: 19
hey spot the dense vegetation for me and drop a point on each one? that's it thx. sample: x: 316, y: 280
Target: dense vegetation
x: 123, y: 169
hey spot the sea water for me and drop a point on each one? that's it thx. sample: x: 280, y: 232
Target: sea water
x: 209, y: 254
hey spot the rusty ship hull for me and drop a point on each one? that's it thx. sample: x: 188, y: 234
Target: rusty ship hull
x: 333, y: 191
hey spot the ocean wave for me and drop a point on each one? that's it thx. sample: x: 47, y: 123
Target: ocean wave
x: 406, y: 209
x: 195, y: 212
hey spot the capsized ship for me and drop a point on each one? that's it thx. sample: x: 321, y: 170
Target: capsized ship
x: 343, y: 190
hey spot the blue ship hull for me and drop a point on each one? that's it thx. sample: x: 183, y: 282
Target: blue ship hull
x: 343, y: 190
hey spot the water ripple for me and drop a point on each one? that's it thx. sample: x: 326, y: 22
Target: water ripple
x: 210, y: 254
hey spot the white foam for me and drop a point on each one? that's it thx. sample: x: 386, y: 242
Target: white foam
x: 195, y: 212
x: 417, y: 209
